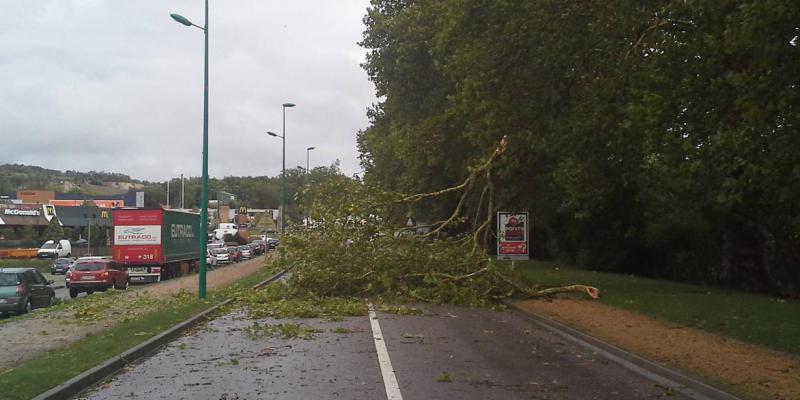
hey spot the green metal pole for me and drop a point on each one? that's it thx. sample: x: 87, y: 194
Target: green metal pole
x: 283, y: 175
x: 204, y: 195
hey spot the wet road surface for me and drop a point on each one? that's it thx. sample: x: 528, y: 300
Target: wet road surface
x: 221, y: 362
x: 449, y: 353
x: 458, y: 353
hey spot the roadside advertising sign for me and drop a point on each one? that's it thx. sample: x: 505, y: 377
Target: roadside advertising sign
x: 512, y: 236
x: 137, y: 235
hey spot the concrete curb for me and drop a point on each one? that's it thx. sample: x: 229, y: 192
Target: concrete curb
x: 94, y: 375
x: 663, y: 376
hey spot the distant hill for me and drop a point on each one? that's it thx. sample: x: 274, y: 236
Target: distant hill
x: 14, y: 177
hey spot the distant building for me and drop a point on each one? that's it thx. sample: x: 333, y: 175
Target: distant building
x: 128, y: 199
x: 18, y: 216
x: 98, y: 203
x: 82, y: 216
x: 35, y: 196
x: 224, y: 197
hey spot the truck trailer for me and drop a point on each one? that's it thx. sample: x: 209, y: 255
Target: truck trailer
x: 155, y: 244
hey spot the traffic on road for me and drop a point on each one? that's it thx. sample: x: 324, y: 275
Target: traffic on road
x: 25, y: 289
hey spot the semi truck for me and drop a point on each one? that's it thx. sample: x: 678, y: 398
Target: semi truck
x: 155, y: 244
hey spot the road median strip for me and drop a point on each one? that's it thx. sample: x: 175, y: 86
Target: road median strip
x: 107, y: 368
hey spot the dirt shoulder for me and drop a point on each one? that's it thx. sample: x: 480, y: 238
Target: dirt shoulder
x: 747, y: 370
x: 47, y: 330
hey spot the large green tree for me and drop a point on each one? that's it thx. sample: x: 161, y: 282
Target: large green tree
x: 658, y: 138
x: 54, y: 231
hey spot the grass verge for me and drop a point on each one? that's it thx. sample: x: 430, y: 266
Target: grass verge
x: 754, y: 318
x: 53, y: 368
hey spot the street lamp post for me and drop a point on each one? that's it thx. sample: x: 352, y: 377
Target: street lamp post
x: 307, y: 151
x: 283, y: 168
x: 89, y: 232
x: 204, y: 193
x: 283, y: 172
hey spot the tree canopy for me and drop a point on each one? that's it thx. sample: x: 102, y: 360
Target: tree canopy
x: 658, y: 138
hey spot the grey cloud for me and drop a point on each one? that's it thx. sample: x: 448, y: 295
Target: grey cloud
x: 117, y: 86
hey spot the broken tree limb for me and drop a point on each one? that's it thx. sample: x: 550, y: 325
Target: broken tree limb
x: 447, y: 276
x: 591, y: 291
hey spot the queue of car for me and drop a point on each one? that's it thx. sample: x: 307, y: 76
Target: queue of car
x: 25, y: 289
x: 219, y: 253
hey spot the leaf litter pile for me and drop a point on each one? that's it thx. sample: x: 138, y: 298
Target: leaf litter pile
x: 360, y: 248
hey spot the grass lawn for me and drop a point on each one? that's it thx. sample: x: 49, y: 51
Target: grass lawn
x: 43, y: 265
x: 760, y: 319
x: 38, y: 375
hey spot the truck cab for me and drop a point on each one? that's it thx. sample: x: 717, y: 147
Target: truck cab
x: 225, y: 228
x: 53, y: 249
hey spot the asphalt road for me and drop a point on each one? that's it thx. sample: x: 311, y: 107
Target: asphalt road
x: 450, y: 353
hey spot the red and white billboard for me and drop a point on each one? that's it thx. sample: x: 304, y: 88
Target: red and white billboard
x: 512, y: 236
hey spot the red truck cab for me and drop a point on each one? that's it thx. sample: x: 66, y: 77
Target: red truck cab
x: 101, y: 275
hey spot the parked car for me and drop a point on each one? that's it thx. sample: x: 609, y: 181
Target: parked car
x: 24, y: 289
x: 272, y: 244
x: 61, y: 265
x: 222, y: 255
x: 247, y: 252
x: 101, y: 275
x: 235, y: 254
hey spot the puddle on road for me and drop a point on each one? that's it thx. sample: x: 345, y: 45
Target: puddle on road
x: 219, y: 360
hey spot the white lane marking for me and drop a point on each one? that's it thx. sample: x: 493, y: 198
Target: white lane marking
x: 389, y: 380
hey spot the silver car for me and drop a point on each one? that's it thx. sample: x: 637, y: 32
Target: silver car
x: 246, y: 251
x: 222, y: 255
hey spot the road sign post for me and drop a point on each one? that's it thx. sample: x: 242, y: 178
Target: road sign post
x: 512, y: 236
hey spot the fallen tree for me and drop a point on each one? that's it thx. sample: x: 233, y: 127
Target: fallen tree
x: 359, y: 247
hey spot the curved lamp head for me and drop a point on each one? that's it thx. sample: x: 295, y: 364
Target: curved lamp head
x: 311, y: 148
x: 273, y: 134
x: 181, y: 19
x: 288, y: 104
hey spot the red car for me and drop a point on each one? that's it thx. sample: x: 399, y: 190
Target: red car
x: 101, y: 275
x: 235, y: 254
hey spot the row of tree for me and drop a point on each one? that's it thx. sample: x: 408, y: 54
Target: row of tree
x: 249, y: 191
x: 14, y: 177
x: 658, y: 138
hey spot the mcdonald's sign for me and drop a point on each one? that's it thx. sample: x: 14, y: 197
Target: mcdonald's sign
x: 104, y: 214
x: 243, y: 210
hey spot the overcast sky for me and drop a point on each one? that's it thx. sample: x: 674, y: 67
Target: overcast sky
x: 118, y: 85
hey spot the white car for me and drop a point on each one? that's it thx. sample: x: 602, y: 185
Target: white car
x: 222, y: 255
